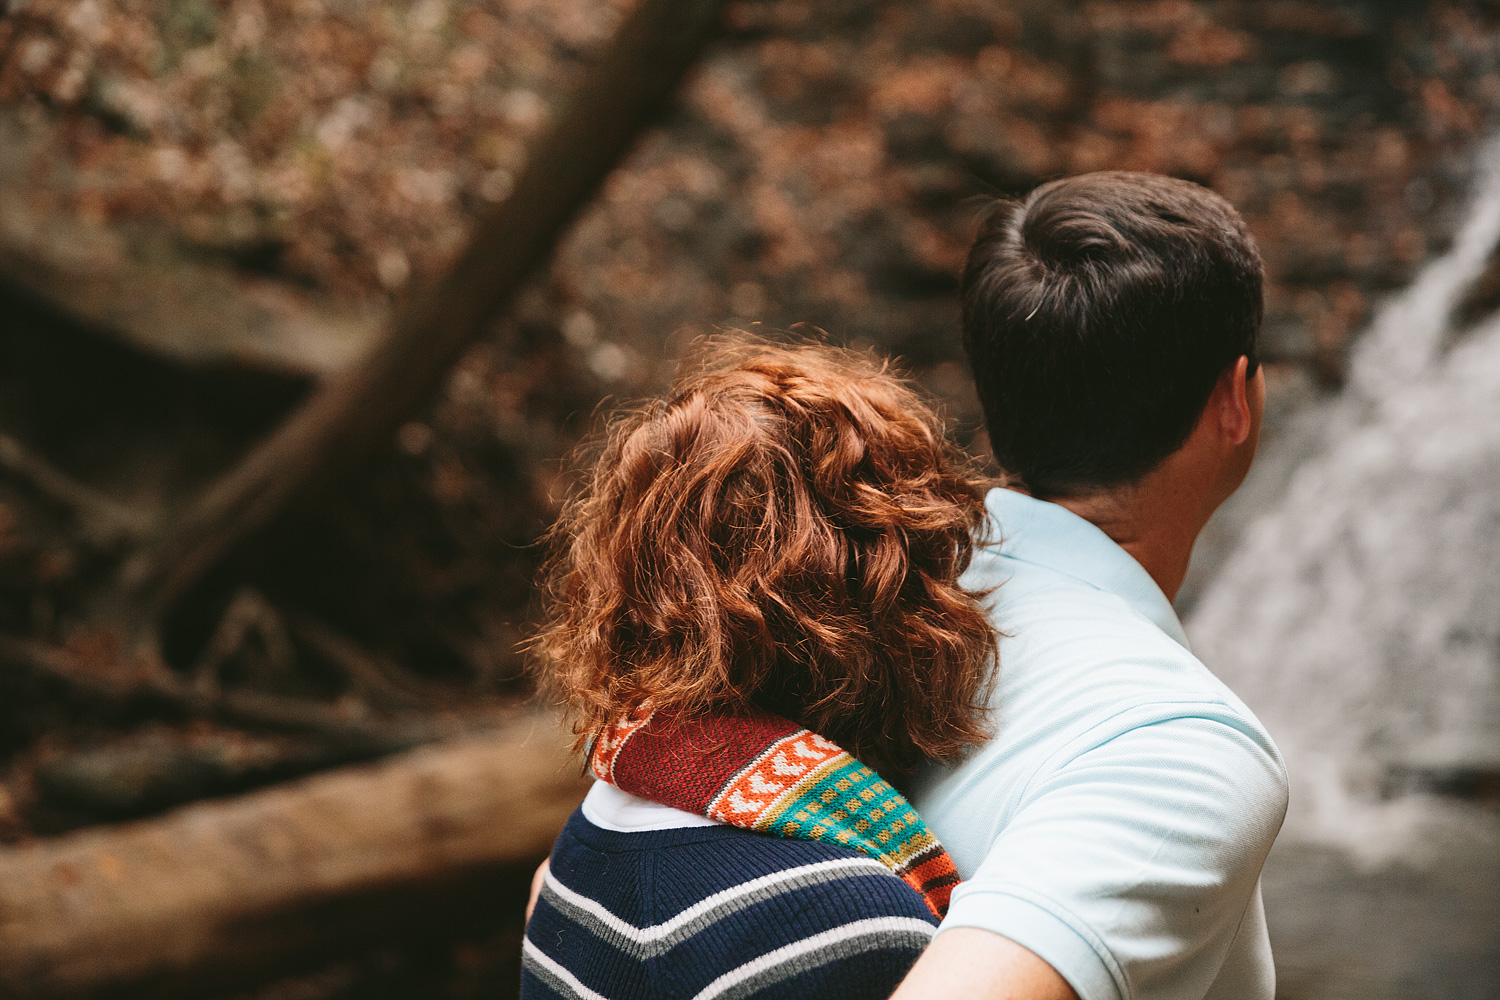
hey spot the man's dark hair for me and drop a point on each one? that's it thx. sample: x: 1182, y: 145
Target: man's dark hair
x: 1098, y: 313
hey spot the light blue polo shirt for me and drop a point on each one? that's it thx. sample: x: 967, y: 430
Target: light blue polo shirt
x: 1117, y: 822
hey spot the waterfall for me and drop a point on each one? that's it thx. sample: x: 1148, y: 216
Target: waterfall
x: 1358, y: 613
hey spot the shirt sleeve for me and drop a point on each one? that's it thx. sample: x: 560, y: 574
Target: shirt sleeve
x: 1130, y: 864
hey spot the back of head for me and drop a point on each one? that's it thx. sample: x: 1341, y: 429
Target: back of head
x: 784, y: 531
x: 1098, y: 313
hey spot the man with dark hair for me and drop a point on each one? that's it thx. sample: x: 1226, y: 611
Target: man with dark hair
x: 1111, y: 833
x: 1098, y: 317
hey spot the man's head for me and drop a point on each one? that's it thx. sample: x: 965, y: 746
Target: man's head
x: 1099, y: 315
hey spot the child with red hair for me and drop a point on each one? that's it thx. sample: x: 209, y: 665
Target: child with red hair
x: 755, y: 598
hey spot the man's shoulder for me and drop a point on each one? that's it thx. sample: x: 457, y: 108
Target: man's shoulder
x: 1080, y: 667
x: 1058, y: 632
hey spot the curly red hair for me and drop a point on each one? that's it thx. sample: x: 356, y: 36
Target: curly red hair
x: 785, y: 530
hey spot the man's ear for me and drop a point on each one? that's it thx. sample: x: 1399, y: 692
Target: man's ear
x: 1236, y: 421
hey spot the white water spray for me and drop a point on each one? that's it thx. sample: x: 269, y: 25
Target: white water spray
x: 1359, y: 615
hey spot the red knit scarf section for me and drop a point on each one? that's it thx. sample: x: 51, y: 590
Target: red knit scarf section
x: 762, y: 772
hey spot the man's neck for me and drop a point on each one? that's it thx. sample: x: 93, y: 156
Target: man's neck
x: 1152, y: 521
x: 1157, y: 517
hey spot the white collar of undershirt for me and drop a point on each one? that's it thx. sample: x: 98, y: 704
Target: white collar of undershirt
x: 612, y: 809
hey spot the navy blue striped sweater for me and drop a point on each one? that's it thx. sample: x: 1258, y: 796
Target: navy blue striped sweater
x: 717, y: 913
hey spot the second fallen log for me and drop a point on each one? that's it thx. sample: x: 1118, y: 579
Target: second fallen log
x: 231, y: 893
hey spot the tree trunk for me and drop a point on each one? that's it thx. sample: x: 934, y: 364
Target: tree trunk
x: 359, y: 408
x: 231, y: 893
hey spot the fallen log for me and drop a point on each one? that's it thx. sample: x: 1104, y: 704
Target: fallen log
x: 229, y: 894
x: 358, y: 409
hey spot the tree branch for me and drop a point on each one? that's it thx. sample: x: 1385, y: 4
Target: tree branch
x: 134, y: 679
x: 372, y: 677
x: 104, y: 521
x: 357, y: 410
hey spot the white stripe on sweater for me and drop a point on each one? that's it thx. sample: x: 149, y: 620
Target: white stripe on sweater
x: 817, y: 942
x: 657, y: 932
x: 567, y: 978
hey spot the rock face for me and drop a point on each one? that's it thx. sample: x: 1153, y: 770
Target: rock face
x: 1359, y: 614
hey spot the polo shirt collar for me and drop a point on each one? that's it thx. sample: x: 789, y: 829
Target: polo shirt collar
x: 1045, y: 534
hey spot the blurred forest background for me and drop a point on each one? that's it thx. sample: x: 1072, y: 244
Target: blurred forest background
x: 210, y: 207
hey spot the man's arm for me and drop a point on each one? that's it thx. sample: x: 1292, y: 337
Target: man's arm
x: 1128, y: 868
x: 980, y: 965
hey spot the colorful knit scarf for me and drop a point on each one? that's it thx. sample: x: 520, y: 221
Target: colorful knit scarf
x: 767, y: 774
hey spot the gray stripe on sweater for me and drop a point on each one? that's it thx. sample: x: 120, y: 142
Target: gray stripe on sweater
x: 654, y: 948
x: 879, y: 934
x: 539, y: 967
